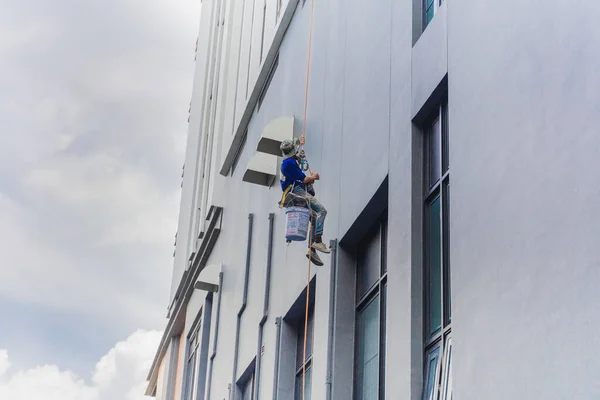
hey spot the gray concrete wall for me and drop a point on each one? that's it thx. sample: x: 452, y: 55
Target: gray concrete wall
x: 524, y: 220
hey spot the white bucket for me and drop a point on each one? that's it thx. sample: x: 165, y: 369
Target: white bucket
x: 297, y: 220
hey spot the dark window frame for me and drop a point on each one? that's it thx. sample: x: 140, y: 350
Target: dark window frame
x: 435, y: 5
x: 440, y: 342
x: 246, y: 383
x: 192, y: 359
x: 376, y: 292
x: 305, y: 365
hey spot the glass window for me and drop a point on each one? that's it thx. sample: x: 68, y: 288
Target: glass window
x: 447, y: 385
x: 300, y: 339
x: 430, y: 8
x: 190, y: 378
x: 368, y: 352
x: 437, y: 310
x: 384, y: 247
x: 434, y: 150
x: 445, y: 145
x: 429, y: 14
x: 433, y: 269
x: 304, y: 367
x: 371, y: 283
x: 432, y: 363
x: 248, y: 389
x: 446, y: 251
x: 307, y: 381
x: 383, y: 341
x: 368, y: 261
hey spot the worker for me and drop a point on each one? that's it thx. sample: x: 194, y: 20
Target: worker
x: 295, y: 184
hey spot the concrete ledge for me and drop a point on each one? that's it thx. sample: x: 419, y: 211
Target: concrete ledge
x: 275, y: 132
x: 210, y: 274
x: 261, y: 170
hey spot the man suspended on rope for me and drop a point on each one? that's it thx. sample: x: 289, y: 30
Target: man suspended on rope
x: 297, y: 189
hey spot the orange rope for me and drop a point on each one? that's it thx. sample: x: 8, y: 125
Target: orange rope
x: 312, y: 13
x: 306, y: 312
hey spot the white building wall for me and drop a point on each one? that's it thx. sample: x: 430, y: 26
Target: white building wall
x: 374, y: 73
x: 187, y: 217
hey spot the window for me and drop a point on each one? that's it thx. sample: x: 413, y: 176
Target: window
x: 192, y: 358
x: 248, y: 388
x: 246, y: 384
x: 437, y: 315
x: 371, y: 287
x: 174, y: 370
x: 301, y: 363
x: 296, y: 370
x: 430, y: 8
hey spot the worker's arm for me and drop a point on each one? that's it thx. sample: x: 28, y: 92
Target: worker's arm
x: 291, y: 170
x: 311, y: 179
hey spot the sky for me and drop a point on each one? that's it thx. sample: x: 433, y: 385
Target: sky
x: 94, y: 99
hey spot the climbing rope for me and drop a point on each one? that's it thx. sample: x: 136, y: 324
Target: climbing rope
x: 312, y: 13
x: 306, y: 312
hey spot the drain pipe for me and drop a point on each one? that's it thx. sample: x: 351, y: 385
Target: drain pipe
x: 331, y: 328
x: 214, y: 347
x: 261, y: 324
x: 242, y: 308
x: 277, y: 356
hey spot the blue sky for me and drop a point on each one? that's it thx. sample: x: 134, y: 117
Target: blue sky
x: 94, y: 98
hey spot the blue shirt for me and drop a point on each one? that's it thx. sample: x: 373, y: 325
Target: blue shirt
x: 290, y: 173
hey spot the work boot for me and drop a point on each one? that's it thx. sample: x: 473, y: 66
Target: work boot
x: 321, y: 247
x: 314, y: 257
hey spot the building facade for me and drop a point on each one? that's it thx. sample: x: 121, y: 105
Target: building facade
x: 455, y: 142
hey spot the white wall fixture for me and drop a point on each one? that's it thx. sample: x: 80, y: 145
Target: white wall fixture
x: 208, y: 280
x: 261, y: 170
x: 206, y: 286
x: 275, y: 132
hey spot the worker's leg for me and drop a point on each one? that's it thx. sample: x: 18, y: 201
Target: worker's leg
x: 318, y: 225
x: 321, y: 213
x: 317, y: 220
x: 310, y: 202
x: 318, y: 210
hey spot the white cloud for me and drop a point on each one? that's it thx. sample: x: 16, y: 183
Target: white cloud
x: 4, y: 362
x: 93, y: 111
x: 119, y: 375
